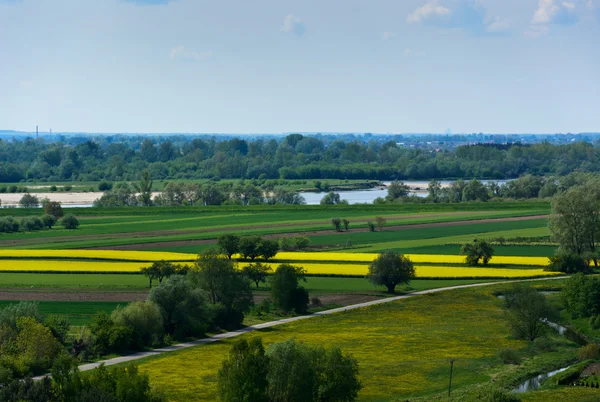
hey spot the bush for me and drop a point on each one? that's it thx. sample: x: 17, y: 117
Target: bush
x: 492, y: 394
x: 145, y: 320
x: 53, y: 188
x: 594, y: 321
x: 371, y: 226
x: 31, y: 223
x: 589, y: 351
x: 70, y: 222
x: 509, y: 356
x: 316, y: 302
x: 581, y: 295
x: 8, y: 225
x: 568, y: 263
x: 67, y: 187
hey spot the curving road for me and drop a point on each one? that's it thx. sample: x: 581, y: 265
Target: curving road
x: 233, y: 334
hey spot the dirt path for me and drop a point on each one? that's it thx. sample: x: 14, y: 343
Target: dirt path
x: 146, y: 245
x: 71, y: 295
x: 233, y: 334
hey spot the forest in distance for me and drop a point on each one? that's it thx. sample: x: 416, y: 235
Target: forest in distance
x: 293, y: 157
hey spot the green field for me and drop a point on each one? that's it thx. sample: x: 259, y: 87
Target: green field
x: 403, y: 348
x: 78, y: 313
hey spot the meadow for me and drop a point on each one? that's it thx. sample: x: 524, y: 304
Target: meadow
x: 403, y: 348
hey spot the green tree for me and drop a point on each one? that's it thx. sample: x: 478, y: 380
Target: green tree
x: 229, y: 244
x: 527, y: 311
x: 224, y: 285
x: 249, y: 246
x: 581, y: 296
x: 70, y: 222
x: 144, y: 189
x: 48, y: 220
x: 381, y: 221
x: 474, y: 190
x: 182, y: 307
x: 397, y: 189
x: 346, y: 223
x: 332, y: 198
x: 256, y: 272
x: 29, y: 201
x: 575, y: 219
x: 434, y: 189
x: 268, y: 248
x: 476, y: 251
x: 243, y: 375
x: 145, y: 320
x: 54, y: 208
x: 301, y: 373
x: 285, y: 290
x: 391, y: 269
x: 337, y: 224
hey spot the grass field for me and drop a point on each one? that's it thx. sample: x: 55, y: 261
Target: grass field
x: 403, y: 348
x: 78, y: 313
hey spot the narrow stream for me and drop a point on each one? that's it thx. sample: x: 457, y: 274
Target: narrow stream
x: 535, y: 382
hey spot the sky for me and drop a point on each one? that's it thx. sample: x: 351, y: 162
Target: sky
x: 274, y: 66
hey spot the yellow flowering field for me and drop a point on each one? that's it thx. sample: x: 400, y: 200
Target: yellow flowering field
x: 99, y: 255
x: 69, y: 266
x: 417, y: 258
x: 402, y: 348
x: 421, y: 271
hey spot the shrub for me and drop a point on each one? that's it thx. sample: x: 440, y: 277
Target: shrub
x: 316, y: 302
x: 31, y: 223
x: 8, y: 225
x: 492, y: 394
x: 70, y: 222
x: 595, y: 321
x: 371, y: 226
x: 589, y: 351
x: 509, y: 356
x: 544, y: 344
x: 145, y: 320
x: 67, y: 187
x: 286, y: 293
x: 53, y: 188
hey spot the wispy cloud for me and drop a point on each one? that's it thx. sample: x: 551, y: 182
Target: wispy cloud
x: 555, y: 12
x: 293, y: 25
x: 182, y: 53
x: 467, y: 15
x: 430, y: 10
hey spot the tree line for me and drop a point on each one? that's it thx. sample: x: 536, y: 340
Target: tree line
x: 119, y: 158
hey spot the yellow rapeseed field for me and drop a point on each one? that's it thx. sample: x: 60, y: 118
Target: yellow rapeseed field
x: 69, y: 266
x: 417, y: 258
x: 99, y: 255
x: 421, y: 271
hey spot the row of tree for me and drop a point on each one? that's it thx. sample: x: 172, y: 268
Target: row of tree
x: 293, y: 157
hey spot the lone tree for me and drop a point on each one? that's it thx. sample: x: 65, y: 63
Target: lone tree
x: 397, y: 189
x: 229, y: 244
x: 380, y: 220
x: 54, y: 208
x: 144, y: 189
x: 346, y: 223
x: 477, y: 250
x: 527, y: 311
x: 575, y: 219
x: 256, y: 272
x: 332, y: 198
x: 29, y: 201
x: 391, y: 269
x: 337, y: 224
x: 70, y: 222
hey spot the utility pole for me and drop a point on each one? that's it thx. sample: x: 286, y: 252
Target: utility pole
x: 450, y: 383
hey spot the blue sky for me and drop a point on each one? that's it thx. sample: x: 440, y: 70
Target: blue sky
x: 270, y: 66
